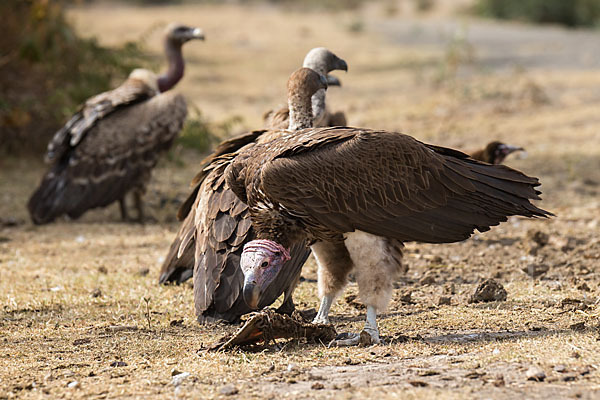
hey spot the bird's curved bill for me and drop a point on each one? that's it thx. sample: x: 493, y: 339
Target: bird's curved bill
x: 197, y: 33
x: 333, y: 81
x: 251, y: 291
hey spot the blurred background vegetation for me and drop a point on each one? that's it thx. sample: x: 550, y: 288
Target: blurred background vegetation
x: 572, y: 13
x: 47, y: 70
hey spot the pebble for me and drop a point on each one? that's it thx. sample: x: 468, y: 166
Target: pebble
x: 179, y: 378
x: 317, y: 386
x: 488, y: 290
x: 444, y: 301
x: 560, y: 368
x: 74, y: 384
x: 535, y: 374
x: 535, y: 270
x: 292, y: 367
x: 228, y: 390
x: 427, y: 279
x: 96, y: 293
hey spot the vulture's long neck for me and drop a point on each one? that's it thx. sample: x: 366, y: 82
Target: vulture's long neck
x: 301, y: 112
x: 318, y: 104
x: 176, y: 66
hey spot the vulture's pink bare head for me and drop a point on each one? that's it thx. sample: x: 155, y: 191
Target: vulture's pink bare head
x: 261, y: 261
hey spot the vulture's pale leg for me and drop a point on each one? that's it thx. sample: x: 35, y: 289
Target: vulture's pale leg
x: 123, y: 207
x: 334, y: 264
x: 377, y: 266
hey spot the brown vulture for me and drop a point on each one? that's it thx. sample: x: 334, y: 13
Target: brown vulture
x: 216, y: 225
x: 111, y: 144
x: 356, y: 195
x: 495, y: 152
x: 178, y: 265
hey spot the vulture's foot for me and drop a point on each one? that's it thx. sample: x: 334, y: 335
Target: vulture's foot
x: 287, y: 307
x: 366, y: 337
x: 320, y: 320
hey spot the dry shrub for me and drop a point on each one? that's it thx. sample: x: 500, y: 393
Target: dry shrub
x: 46, y: 70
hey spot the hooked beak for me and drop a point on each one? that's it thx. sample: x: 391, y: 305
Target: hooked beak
x: 340, y: 65
x: 333, y: 81
x: 251, y: 290
x: 323, y: 81
x: 507, y: 149
x: 196, y: 33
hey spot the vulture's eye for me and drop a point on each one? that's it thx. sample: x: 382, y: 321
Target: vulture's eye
x: 264, y: 264
x: 278, y: 254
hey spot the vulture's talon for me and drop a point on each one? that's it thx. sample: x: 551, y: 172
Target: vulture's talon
x: 345, y: 339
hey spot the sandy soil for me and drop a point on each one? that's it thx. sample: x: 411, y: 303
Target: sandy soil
x: 82, y: 316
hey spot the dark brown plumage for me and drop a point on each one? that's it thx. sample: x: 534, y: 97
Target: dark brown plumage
x: 111, y: 144
x: 357, y: 194
x: 223, y: 231
x: 495, y: 152
x: 177, y: 266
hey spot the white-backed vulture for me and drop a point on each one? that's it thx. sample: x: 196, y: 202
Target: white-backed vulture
x: 356, y: 195
x: 109, y: 147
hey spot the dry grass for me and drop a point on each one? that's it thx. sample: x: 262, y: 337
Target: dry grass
x: 75, y: 296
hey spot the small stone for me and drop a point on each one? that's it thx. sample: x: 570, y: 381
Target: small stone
x: 560, y: 368
x: 176, y: 322
x: 292, y: 367
x: 96, y: 293
x: 427, y: 279
x: 118, y: 364
x: 228, y: 390
x: 317, y: 386
x: 175, y: 371
x: 575, y: 354
x: 78, y: 342
x: 179, y: 378
x: 540, y: 238
x: 584, y: 286
x: 443, y: 301
x: 535, y: 374
x: 535, y: 270
x: 418, y: 383
x: 578, y: 327
x: 143, y: 271
x: 499, y: 381
x: 102, y: 269
x: 73, y: 384
x: 488, y: 290
x: 406, y: 297
x: 569, y: 378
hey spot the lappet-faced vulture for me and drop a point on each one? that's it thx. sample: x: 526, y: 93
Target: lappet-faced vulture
x: 179, y: 262
x: 109, y: 147
x: 217, y: 224
x: 357, y: 195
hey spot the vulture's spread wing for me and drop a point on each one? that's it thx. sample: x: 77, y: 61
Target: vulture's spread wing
x: 116, y: 154
x: 94, y: 109
x: 384, y: 183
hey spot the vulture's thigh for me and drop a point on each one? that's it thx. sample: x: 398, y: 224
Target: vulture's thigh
x: 377, y: 266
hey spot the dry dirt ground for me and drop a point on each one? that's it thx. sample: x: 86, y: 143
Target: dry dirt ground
x: 82, y: 316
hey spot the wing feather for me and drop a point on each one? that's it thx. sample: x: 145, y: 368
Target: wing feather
x: 384, y: 183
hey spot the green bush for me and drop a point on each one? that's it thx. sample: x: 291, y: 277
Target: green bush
x: 572, y: 13
x: 46, y: 71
